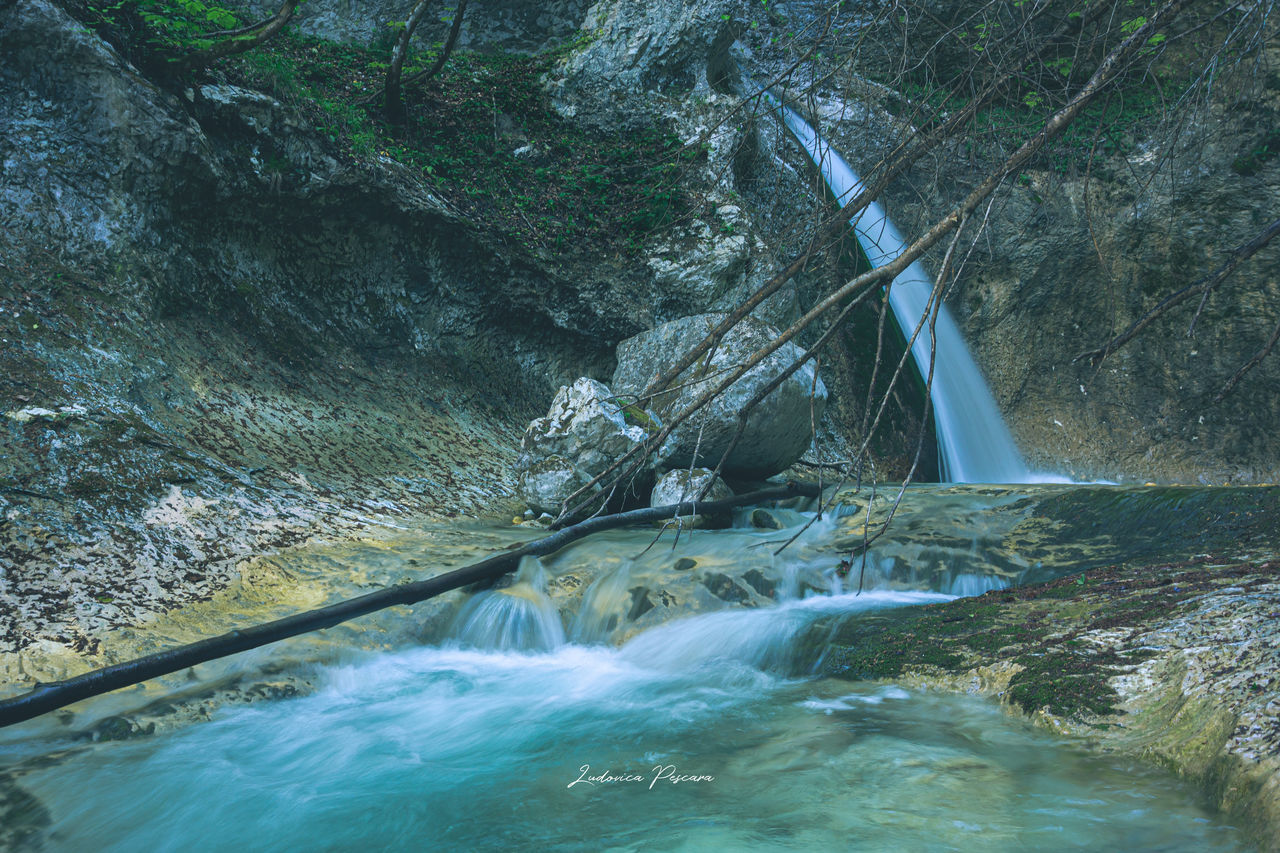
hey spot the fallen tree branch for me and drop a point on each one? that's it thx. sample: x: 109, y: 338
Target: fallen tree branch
x: 49, y: 697
x: 239, y: 31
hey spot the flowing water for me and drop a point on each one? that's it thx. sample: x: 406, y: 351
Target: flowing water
x: 468, y: 749
x: 624, y: 697
x: 975, y: 445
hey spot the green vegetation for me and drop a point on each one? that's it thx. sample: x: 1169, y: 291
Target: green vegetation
x: 1248, y: 165
x: 153, y: 33
x: 484, y: 135
x: 1114, y: 125
x: 1029, y: 60
x: 636, y: 416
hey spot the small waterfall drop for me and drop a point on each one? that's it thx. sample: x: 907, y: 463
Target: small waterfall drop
x: 974, y: 443
x: 968, y: 584
x: 598, y: 614
x: 518, y: 618
x: 761, y: 639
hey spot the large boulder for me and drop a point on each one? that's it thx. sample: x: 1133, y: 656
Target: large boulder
x: 587, y: 425
x: 547, y: 483
x: 685, y: 484
x: 585, y: 431
x: 778, y: 430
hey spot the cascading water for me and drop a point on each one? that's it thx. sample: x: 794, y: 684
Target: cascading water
x: 505, y: 737
x: 517, y: 617
x: 975, y: 444
x: 598, y: 615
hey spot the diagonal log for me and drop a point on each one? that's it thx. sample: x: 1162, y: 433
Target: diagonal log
x: 50, y: 697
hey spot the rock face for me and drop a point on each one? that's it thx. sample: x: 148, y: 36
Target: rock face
x: 225, y: 200
x: 216, y: 297
x: 585, y: 430
x: 778, y: 430
x: 643, y: 51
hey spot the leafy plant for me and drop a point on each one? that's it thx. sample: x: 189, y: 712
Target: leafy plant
x: 165, y: 25
x: 484, y: 136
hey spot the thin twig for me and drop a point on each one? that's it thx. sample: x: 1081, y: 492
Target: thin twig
x: 1203, y: 286
x: 1249, y: 365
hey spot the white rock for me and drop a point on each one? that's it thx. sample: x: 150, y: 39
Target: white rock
x: 547, y: 484
x: 684, y: 484
x: 34, y: 413
x: 585, y: 426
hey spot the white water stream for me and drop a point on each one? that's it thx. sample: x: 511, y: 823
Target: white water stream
x: 530, y: 726
x: 974, y: 443
x: 458, y: 748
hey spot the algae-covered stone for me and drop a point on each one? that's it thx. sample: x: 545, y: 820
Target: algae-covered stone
x: 778, y: 430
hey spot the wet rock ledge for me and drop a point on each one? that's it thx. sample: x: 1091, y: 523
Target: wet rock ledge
x: 1175, y: 662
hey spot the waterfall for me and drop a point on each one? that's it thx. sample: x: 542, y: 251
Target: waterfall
x: 518, y: 618
x: 597, y: 616
x: 974, y: 443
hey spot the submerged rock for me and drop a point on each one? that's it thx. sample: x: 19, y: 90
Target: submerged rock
x: 777, y: 431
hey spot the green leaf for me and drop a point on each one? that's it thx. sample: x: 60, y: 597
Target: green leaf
x: 1132, y: 25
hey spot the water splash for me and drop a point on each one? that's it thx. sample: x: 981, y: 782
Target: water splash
x: 758, y: 638
x: 520, y: 617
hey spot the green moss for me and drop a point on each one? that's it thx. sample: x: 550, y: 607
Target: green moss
x: 1042, y: 628
x: 1251, y: 163
x: 636, y: 416
x: 1066, y: 684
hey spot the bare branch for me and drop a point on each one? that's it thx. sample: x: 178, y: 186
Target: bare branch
x: 1249, y: 365
x: 1204, y: 286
